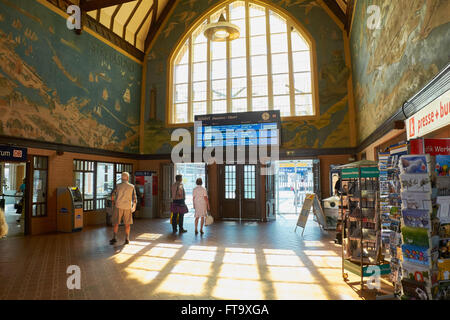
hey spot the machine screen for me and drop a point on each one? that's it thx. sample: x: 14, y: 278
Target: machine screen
x: 76, y: 194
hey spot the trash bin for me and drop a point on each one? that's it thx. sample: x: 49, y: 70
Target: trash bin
x: 2, y: 204
x: 331, y: 211
x: 109, y: 212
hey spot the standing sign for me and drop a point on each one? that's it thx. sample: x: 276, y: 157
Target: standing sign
x: 311, y: 201
x: 8, y: 153
x: 434, y: 116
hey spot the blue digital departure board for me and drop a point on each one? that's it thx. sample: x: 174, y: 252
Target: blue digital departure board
x: 238, y: 129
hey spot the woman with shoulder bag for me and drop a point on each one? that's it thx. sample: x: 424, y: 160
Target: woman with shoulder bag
x: 178, y: 207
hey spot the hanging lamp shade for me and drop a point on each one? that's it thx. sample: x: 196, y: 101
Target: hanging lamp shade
x: 221, y: 30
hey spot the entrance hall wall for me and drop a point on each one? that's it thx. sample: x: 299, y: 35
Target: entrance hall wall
x: 332, y: 128
x: 57, y: 86
x: 394, y: 62
x: 60, y: 174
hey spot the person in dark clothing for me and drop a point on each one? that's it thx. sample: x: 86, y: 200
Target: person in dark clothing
x: 178, y: 207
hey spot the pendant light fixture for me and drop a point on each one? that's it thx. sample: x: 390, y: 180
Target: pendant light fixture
x: 221, y: 30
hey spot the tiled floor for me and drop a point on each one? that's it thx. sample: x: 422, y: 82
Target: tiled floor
x: 231, y: 260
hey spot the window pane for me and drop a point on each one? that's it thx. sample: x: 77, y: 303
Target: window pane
x: 230, y: 182
x: 301, y: 61
x: 298, y: 43
x: 256, y: 11
x: 239, y: 105
x: 199, y: 108
x: 78, y: 180
x: 277, y: 23
x: 181, y: 111
x: 237, y: 10
x: 181, y: 73
x: 303, y: 105
x: 218, y: 50
x: 278, y: 42
x: 259, y: 86
x: 199, y: 91
x: 283, y: 104
x: 181, y: 93
x: 183, y: 55
x: 200, y: 52
x: 302, y: 82
x: 198, y: 35
x: 257, y: 26
x: 239, y: 88
x: 238, y: 48
x: 219, y: 69
x: 260, y: 104
x: 199, y: 71
x: 219, y: 89
x: 219, y: 106
x: 258, y: 45
x: 105, y: 179
x: 280, y: 84
x: 259, y: 65
x: 280, y: 63
x: 238, y: 67
x: 39, y: 185
x: 88, y: 185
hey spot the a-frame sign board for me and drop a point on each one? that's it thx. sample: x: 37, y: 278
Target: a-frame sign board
x: 311, y: 201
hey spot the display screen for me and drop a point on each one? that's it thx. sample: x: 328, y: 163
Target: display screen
x: 238, y: 129
x: 76, y: 194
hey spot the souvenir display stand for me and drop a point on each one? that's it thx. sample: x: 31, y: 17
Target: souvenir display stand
x: 361, y: 231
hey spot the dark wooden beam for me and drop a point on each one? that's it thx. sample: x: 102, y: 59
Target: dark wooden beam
x: 336, y: 9
x: 113, y: 17
x: 129, y: 18
x: 155, y: 27
x: 91, y: 5
x: 349, y: 14
x: 151, y: 10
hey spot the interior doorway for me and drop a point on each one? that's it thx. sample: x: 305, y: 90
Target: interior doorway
x: 293, y: 180
x: 12, y: 196
x: 191, y: 172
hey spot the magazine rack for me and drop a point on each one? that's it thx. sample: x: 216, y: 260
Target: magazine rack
x: 361, y: 229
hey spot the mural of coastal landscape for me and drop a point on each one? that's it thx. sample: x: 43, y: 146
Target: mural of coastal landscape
x: 393, y: 62
x: 49, y: 90
x: 330, y: 130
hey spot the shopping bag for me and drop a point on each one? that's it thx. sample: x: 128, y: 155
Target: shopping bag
x: 171, y: 217
x: 209, y: 220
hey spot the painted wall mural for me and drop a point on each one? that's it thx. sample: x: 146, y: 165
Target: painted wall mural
x: 330, y: 130
x: 392, y: 63
x: 57, y: 86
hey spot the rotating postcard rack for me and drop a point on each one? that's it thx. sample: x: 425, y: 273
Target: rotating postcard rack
x: 361, y: 228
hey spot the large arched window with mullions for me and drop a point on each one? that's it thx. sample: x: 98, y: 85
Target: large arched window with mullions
x: 269, y: 67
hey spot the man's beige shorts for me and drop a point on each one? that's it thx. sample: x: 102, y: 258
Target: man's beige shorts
x: 118, y: 214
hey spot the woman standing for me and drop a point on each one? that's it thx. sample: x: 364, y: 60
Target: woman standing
x: 179, y: 207
x: 201, y: 204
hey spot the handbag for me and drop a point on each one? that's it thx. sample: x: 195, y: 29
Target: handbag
x: 209, y: 220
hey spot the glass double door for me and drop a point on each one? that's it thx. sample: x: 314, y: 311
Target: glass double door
x: 240, y: 191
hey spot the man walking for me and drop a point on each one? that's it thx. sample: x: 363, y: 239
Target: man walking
x: 124, y: 203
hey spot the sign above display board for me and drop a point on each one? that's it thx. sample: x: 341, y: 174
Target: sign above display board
x: 433, y: 147
x: 16, y: 154
x: 432, y: 117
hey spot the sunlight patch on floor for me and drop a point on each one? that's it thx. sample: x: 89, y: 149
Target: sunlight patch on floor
x: 183, y: 284
x: 239, y: 271
x: 238, y: 289
x: 291, y: 274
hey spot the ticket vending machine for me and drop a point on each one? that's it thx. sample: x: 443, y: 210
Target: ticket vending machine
x: 147, y: 184
x: 69, y: 215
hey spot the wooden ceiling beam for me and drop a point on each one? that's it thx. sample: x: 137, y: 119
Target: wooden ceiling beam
x: 91, y: 5
x: 333, y: 6
x: 350, y: 9
x: 155, y: 26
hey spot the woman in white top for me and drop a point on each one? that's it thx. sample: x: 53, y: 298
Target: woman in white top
x: 201, y: 204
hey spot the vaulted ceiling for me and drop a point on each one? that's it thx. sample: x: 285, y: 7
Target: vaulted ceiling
x: 131, y: 24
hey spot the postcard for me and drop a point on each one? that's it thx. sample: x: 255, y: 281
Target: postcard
x: 415, y: 182
x: 416, y: 218
x: 416, y: 200
x: 415, y: 163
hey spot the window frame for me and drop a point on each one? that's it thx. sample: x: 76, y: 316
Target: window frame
x: 98, y: 204
x: 186, y: 39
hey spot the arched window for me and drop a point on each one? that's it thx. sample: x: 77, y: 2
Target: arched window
x: 267, y: 68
